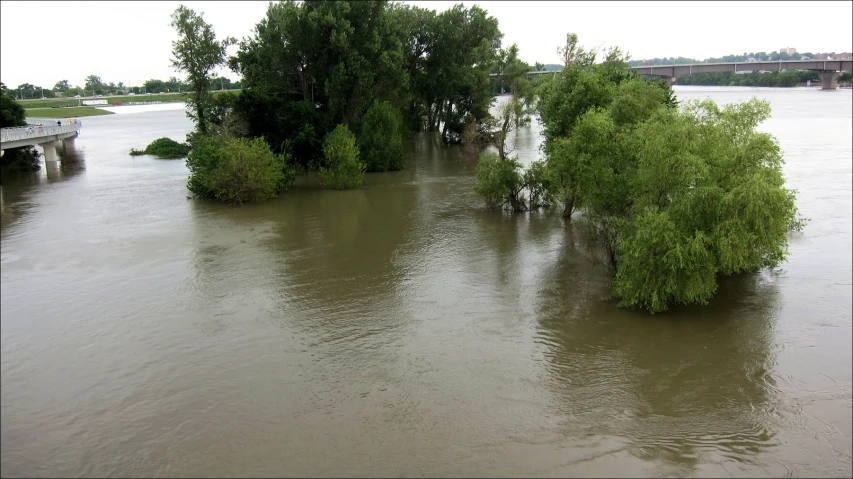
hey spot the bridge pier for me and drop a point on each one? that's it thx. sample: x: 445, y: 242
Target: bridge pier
x: 829, y: 80
x: 49, y: 152
x: 51, y: 169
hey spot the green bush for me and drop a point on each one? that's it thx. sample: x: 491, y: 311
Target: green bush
x: 537, y: 180
x: 167, y: 148
x: 237, y: 170
x: 164, y: 148
x: 499, y: 182
x: 11, y: 112
x: 343, y: 169
x: 25, y: 158
x: 381, y: 140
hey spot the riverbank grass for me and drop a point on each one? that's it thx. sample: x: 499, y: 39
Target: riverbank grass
x: 75, y: 112
x: 124, y: 99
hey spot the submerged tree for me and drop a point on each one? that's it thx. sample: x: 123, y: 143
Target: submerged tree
x: 671, y: 198
x: 197, y: 53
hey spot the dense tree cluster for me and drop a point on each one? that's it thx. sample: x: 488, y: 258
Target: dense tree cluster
x: 670, y: 197
x: 313, y: 65
x: 12, y: 114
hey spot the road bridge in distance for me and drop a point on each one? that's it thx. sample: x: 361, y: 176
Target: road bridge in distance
x: 829, y: 70
x: 46, y: 133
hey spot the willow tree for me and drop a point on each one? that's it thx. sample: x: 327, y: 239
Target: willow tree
x: 672, y: 197
x: 676, y: 198
x: 197, y: 53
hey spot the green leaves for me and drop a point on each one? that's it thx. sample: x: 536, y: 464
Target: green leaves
x: 498, y: 181
x: 381, y: 140
x: 197, y: 53
x: 237, y: 170
x: 343, y: 168
x: 673, y: 198
x: 659, y: 264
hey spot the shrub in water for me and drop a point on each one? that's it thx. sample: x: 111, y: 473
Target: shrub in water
x: 237, y: 170
x: 164, y: 148
x: 21, y: 159
x: 381, y: 140
x: 343, y: 169
x: 499, y: 182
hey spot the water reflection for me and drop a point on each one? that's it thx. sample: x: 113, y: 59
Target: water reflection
x: 686, y: 387
x: 16, y: 195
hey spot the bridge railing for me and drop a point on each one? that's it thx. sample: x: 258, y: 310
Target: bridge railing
x: 50, y: 121
x: 36, y: 131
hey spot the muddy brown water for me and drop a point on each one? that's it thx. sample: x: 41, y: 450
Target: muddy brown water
x: 402, y: 330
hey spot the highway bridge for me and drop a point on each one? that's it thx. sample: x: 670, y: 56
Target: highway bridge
x: 829, y: 70
x: 46, y: 133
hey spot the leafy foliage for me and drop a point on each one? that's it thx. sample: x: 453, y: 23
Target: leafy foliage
x: 165, y: 148
x: 672, y: 198
x: 237, y: 170
x: 381, y: 141
x: 313, y: 65
x: 197, y: 53
x: 23, y: 159
x: 538, y: 183
x: 343, y: 169
x: 499, y: 181
x: 11, y: 112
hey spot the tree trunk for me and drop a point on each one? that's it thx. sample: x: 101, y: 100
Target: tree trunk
x: 444, y: 127
x: 568, y: 208
x: 430, y: 117
x: 516, y: 203
x: 199, y: 110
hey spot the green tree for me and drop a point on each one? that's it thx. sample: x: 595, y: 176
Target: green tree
x: 671, y: 198
x: 11, y: 112
x: 237, y: 170
x: 571, y: 53
x: 343, y: 169
x: 62, y: 85
x: 197, y: 53
x: 94, y: 85
x: 381, y: 140
x: 499, y: 181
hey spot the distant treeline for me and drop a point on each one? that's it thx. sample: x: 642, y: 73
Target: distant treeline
x: 787, y: 78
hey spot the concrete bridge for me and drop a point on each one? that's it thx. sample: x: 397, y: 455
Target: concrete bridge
x: 46, y: 133
x: 829, y: 70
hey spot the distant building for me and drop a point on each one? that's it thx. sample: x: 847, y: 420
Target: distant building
x: 789, y: 51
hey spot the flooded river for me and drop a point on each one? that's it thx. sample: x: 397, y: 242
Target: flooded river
x: 402, y: 330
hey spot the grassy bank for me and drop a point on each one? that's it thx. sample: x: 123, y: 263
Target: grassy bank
x: 75, y: 112
x: 125, y: 99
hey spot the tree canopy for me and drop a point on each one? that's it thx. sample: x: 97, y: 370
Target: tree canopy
x: 197, y: 52
x: 673, y: 197
x: 313, y: 65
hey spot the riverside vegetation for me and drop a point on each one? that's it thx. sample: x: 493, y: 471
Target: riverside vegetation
x: 670, y: 196
x: 12, y: 114
x: 164, y: 148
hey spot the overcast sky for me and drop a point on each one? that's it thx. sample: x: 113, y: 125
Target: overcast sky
x: 43, y: 42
